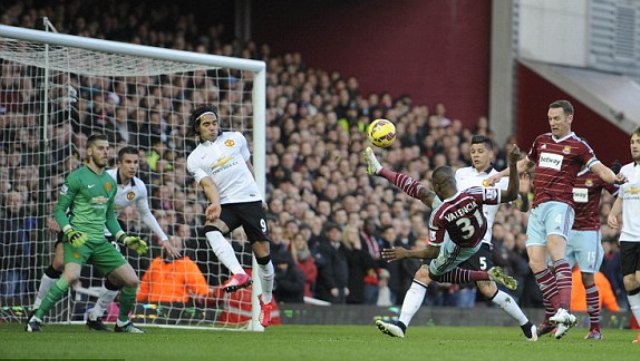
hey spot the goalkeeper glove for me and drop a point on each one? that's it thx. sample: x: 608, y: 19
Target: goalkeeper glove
x: 135, y: 243
x: 76, y: 238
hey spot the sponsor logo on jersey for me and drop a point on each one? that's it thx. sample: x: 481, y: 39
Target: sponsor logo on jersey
x: 588, y: 183
x: 566, y: 150
x: 550, y: 160
x: 107, y: 186
x: 229, y: 143
x: 221, y: 162
x: 633, y: 190
x: 580, y: 195
x: 64, y: 189
x: 100, y: 200
x: 131, y: 196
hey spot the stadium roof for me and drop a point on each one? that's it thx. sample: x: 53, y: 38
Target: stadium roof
x: 615, y: 97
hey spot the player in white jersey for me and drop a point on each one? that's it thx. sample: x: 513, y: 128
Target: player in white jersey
x: 628, y: 204
x: 221, y: 165
x: 481, y: 156
x: 131, y: 190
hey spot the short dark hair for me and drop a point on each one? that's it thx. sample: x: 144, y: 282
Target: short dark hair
x: 332, y: 225
x: 197, y: 112
x: 442, y: 174
x: 126, y: 150
x: 482, y: 139
x: 566, y: 106
x: 94, y: 138
x: 636, y: 131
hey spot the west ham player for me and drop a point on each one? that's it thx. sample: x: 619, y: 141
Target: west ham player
x: 221, y: 165
x: 481, y: 152
x: 558, y: 156
x: 584, y: 246
x: 131, y: 190
x: 628, y: 203
x: 458, y: 226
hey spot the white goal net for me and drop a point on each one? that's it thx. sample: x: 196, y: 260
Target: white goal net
x: 55, y: 91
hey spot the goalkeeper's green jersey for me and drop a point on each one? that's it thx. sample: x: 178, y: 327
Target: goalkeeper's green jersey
x: 89, y: 199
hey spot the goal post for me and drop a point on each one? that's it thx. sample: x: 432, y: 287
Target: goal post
x: 76, y: 85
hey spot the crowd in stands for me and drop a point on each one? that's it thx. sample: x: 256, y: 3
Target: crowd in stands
x: 328, y: 219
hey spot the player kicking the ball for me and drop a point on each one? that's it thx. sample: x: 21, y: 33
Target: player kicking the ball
x: 458, y: 226
x: 221, y: 165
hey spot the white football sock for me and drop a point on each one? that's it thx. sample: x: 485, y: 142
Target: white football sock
x: 106, y: 297
x: 46, y: 283
x: 412, y: 301
x: 634, y: 305
x: 509, y: 305
x: 266, y: 279
x: 224, y: 251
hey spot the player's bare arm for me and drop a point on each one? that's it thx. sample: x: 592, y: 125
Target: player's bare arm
x: 396, y: 254
x: 606, y: 174
x: 523, y: 165
x: 211, y: 191
x: 426, y: 196
x: 511, y: 193
x: 613, y: 218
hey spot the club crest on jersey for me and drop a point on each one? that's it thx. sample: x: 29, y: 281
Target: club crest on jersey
x: 566, y: 150
x: 588, y: 183
x: 76, y: 255
x: 130, y: 196
x: 107, y: 186
x: 229, y: 143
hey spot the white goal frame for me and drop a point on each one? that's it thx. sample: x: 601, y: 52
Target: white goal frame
x: 258, y: 68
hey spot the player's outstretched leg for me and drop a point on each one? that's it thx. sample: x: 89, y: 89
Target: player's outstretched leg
x: 497, y: 275
x: 391, y: 329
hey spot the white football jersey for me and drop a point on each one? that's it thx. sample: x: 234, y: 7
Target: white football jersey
x: 224, y: 161
x: 630, y: 194
x: 134, y: 192
x: 469, y: 177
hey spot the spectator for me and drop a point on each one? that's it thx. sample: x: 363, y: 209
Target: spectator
x: 171, y: 279
x: 333, y: 275
x: 289, y: 281
x: 578, y: 296
x: 305, y: 262
x: 15, y: 248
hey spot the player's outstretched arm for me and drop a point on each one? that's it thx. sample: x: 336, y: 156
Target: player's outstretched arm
x: 396, y: 254
x: 606, y: 174
x: 523, y: 165
x: 511, y: 193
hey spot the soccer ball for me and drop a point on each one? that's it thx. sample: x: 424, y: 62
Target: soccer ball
x: 382, y: 133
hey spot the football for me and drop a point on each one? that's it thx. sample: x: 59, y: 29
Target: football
x: 382, y: 133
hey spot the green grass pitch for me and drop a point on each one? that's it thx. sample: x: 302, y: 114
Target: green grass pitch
x: 306, y: 343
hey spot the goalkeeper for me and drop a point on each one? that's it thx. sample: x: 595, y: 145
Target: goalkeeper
x: 131, y: 190
x: 89, y: 193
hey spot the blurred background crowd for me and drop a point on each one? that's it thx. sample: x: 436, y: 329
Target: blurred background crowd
x: 328, y: 219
